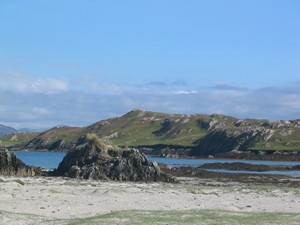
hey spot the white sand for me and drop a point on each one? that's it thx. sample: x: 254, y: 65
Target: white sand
x: 67, y: 198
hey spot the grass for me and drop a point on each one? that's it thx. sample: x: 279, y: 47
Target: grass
x: 280, y: 142
x: 137, y: 133
x: 68, y: 134
x: 195, y: 217
x: 272, y: 189
x: 190, y: 217
x: 19, y: 138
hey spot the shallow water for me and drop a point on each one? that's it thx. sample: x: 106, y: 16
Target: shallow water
x: 199, y: 162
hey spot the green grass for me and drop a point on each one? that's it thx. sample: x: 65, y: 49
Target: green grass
x: 68, y: 134
x: 13, y: 139
x: 190, y: 217
x: 137, y: 132
x: 195, y: 217
x: 272, y: 188
x: 280, y: 142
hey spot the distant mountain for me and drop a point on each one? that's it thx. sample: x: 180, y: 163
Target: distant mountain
x: 26, y: 130
x: 4, y: 130
x: 195, y: 135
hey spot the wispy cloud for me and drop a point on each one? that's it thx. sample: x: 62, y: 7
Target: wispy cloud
x: 24, y: 83
x: 228, y: 87
x: 38, y: 102
x: 183, y: 92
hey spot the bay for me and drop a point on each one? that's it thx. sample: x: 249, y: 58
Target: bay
x: 48, y: 160
x: 51, y: 160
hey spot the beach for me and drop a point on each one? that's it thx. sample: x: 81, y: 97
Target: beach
x: 53, y: 200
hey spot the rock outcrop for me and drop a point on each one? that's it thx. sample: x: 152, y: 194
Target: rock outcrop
x: 91, y: 159
x: 11, y: 165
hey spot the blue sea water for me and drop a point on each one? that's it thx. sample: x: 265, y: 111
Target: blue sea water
x: 51, y: 160
x: 48, y: 160
x: 198, y: 162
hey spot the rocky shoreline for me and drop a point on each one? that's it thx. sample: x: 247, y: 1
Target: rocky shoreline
x: 90, y: 158
x: 166, y: 151
x: 203, y: 176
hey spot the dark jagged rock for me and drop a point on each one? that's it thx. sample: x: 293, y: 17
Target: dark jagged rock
x: 242, y: 166
x: 226, y: 178
x: 223, y: 141
x: 91, y: 159
x: 11, y: 165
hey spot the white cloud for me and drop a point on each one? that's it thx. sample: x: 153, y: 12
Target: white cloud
x: 183, y: 92
x: 23, y: 83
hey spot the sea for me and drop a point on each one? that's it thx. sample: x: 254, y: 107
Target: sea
x: 51, y: 160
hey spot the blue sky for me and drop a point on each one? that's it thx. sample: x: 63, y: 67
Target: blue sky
x: 75, y: 62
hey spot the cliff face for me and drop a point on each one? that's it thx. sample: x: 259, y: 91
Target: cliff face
x: 11, y: 165
x: 248, y: 135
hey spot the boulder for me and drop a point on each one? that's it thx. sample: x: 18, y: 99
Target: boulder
x: 90, y: 158
x: 11, y: 165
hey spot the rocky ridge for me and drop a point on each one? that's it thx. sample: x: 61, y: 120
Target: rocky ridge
x: 90, y: 158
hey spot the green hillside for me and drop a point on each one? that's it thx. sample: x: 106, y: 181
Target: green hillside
x: 16, y: 139
x: 139, y: 127
x: 203, y: 134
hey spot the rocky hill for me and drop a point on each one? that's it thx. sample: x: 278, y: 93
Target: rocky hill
x: 59, y: 138
x: 177, y: 134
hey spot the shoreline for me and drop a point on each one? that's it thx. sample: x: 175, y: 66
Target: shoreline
x: 264, y: 155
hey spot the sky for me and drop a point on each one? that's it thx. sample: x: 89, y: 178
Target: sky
x: 75, y: 62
